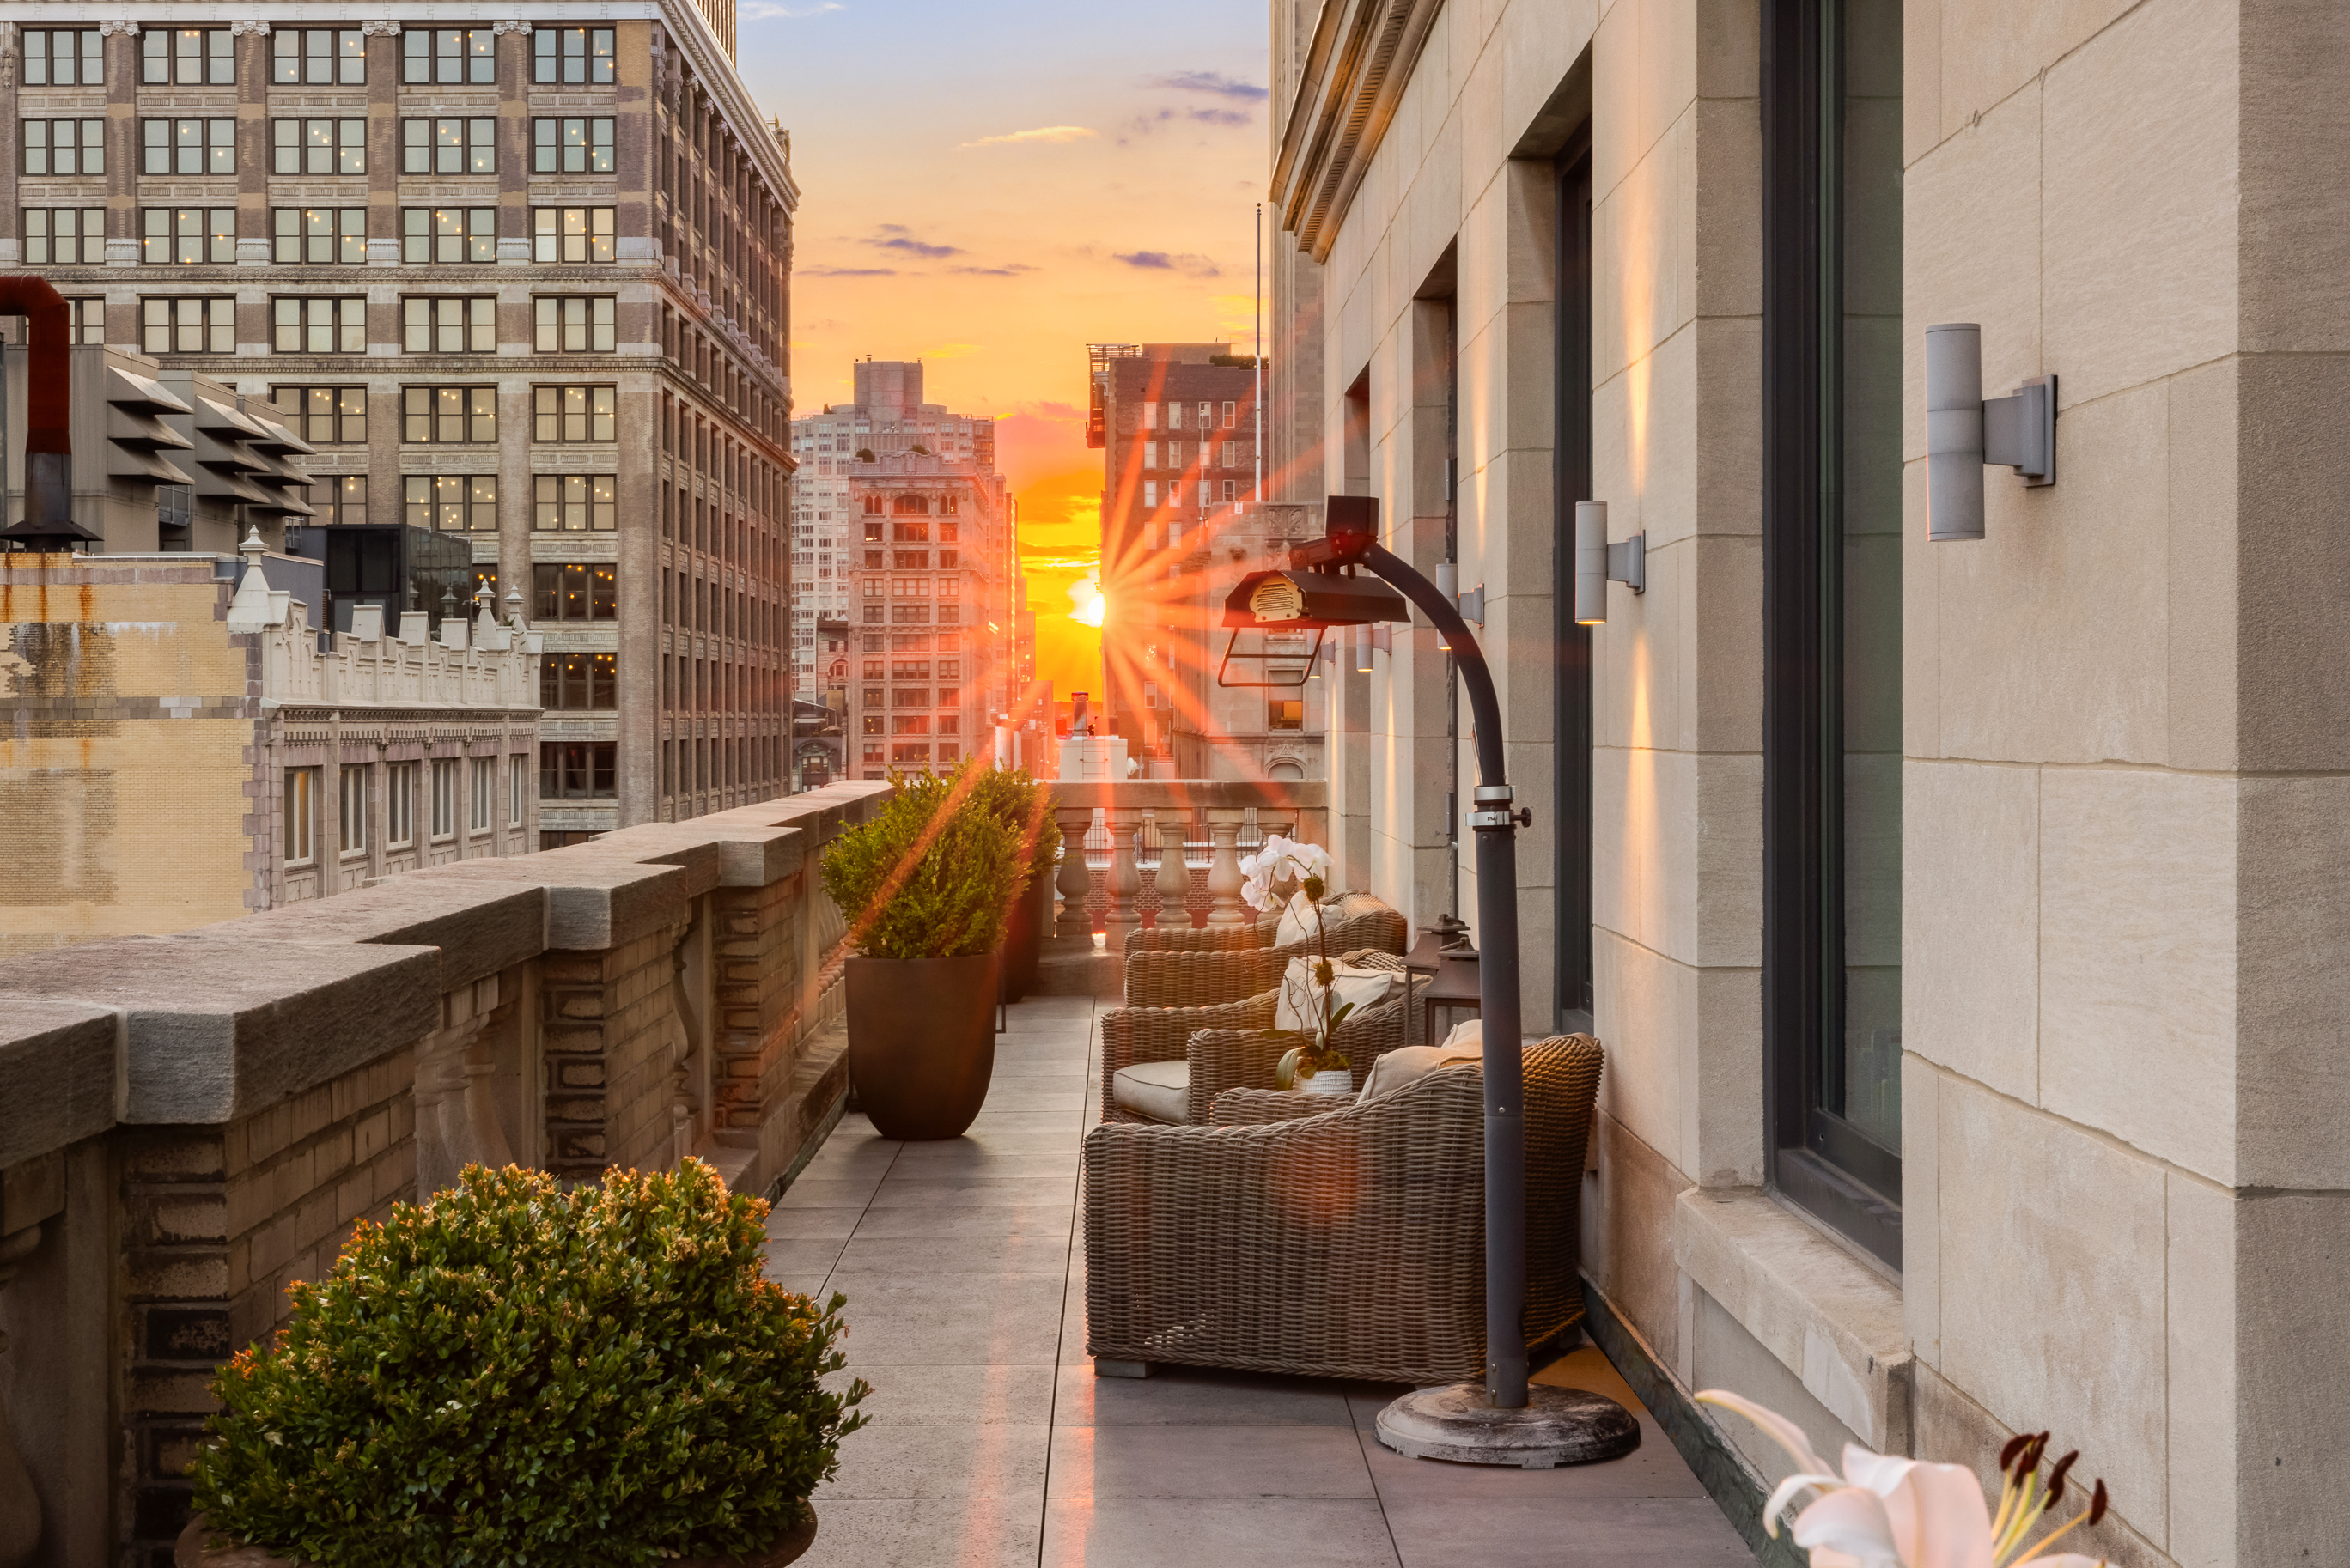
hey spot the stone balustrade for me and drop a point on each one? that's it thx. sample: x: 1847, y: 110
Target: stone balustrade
x: 1143, y: 826
x: 189, y: 1122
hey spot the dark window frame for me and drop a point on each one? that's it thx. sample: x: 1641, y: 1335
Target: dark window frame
x: 1571, y: 476
x: 1816, y: 1159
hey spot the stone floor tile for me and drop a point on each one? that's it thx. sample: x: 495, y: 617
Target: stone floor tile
x: 957, y: 1190
x: 998, y: 1219
x: 1001, y: 1394
x: 1208, y: 1462
x: 1655, y: 1469
x: 909, y: 1460
x: 971, y: 1319
x: 807, y: 1224
x: 801, y: 1255
x: 965, y: 1533
x: 1153, y: 1533
x: 1580, y: 1532
x: 1197, y: 1396
x: 1025, y: 1252
x: 829, y: 1192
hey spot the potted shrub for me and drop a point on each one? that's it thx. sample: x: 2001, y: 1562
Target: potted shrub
x: 515, y: 1372
x: 924, y: 887
x: 1024, y: 805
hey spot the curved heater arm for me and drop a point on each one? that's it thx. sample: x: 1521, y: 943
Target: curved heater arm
x: 1484, y: 707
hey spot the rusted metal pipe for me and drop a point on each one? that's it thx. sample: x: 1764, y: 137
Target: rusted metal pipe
x: 48, y: 430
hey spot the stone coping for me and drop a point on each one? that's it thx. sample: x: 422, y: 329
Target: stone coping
x: 1830, y: 1318
x: 214, y: 1024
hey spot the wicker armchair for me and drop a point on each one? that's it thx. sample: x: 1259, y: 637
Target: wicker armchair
x: 1227, y: 1046
x: 1178, y: 972
x: 1345, y: 1243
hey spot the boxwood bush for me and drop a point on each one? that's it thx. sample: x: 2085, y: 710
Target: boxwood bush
x: 1015, y: 797
x: 515, y: 1373
x: 932, y: 874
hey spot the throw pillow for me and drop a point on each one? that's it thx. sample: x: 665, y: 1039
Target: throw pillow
x: 1411, y: 1064
x: 1295, y: 1007
x: 1297, y: 923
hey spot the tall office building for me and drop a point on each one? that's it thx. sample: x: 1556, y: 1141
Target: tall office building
x: 902, y: 531
x: 463, y: 256
x: 1180, y: 523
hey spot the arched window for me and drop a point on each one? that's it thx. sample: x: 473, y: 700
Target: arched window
x: 910, y: 506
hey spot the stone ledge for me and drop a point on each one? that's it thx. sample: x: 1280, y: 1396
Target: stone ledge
x: 1831, y: 1319
x: 480, y: 927
x: 57, y: 1078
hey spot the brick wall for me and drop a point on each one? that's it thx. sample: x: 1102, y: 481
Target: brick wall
x: 215, y: 1223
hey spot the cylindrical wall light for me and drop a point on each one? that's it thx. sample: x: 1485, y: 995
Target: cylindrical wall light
x: 1954, y: 432
x: 1599, y: 563
x: 1363, y: 649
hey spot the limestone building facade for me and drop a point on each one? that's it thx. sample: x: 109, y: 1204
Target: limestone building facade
x: 521, y: 280
x: 1958, y: 917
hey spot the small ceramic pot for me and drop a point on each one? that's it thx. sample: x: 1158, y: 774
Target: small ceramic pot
x: 1332, y: 1081
x: 190, y: 1551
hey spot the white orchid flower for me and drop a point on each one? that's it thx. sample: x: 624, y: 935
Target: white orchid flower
x: 1888, y: 1512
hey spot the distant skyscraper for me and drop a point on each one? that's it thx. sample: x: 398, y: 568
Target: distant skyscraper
x: 902, y: 528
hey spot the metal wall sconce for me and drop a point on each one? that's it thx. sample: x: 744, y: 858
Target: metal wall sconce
x: 1370, y: 638
x: 1599, y: 563
x: 1964, y: 433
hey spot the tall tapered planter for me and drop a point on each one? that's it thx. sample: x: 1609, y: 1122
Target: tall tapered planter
x: 922, y: 1041
x: 1024, y: 936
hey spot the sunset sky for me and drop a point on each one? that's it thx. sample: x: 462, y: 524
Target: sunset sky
x: 990, y: 188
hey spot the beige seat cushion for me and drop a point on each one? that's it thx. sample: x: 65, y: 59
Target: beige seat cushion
x: 1410, y: 1063
x: 1363, y: 987
x: 1354, y: 905
x: 1296, y: 922
x: 1156, y: 1091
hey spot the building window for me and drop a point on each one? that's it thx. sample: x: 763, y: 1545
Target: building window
x: 1570, y: 689
x: 320, y: 234
x: 1151, y: 492
x: 88, y: 323
x: 325, y: 416
x: 1284, y: 713
x: 65, y: 146
x: 517, y: 790
x: 444, y: 797
x: 339, y: 498
x: 318, y: 146
x: 1831, y: 613
x: 450, y: 146
x: 484, y: 781
x: 183, y: 236
x: 451, y: 503
x: 449, y: 234
x: 187, y: 325
x: 576, y: 590
x: 65, y: 236
x: 910, y: 751
x: 571, y: 146
x: 575, y: 414
x: 571, y: 234
x: 352, y: 783
x: 448, y: 414
x: 318, y: 56
x: 301, y: 815
x: 569, y: 55
x: 64, y: 57
x: 187, y: 56
x: 399, y: 804
x: 573, y: 503
x: 910, y: 724
x: 576, y: 324
x: 459, y: 324
x: 577, y: 770
x: 1231, y: 417
x: 188, y: 146
x: 449, y: 57
x: 335, y: 324
x: 576, y: 680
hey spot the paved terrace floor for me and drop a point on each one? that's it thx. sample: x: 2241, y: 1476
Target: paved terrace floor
x: 993, y: 1444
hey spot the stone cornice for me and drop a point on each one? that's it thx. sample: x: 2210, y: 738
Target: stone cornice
x: 1355, y: 73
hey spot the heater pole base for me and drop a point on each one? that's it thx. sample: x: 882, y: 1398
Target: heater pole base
x: 1555, y: 1426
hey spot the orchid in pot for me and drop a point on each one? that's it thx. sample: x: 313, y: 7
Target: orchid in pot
x: 1277, y: 863
x: 1888, y: 1512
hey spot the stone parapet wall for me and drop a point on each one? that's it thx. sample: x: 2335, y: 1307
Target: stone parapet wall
x: 190, y: 1123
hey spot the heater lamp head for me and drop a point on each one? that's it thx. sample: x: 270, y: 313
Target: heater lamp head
x: 1300, y: 600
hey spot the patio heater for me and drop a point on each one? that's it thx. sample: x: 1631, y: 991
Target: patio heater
x: 1507, y: 1420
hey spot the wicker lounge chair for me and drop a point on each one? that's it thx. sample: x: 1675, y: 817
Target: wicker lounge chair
x: 1343, y: 1243
x: 1179, y: 966
x: 1226, y: 1045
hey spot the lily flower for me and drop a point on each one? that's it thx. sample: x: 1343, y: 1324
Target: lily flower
x: 1885, y: 1511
